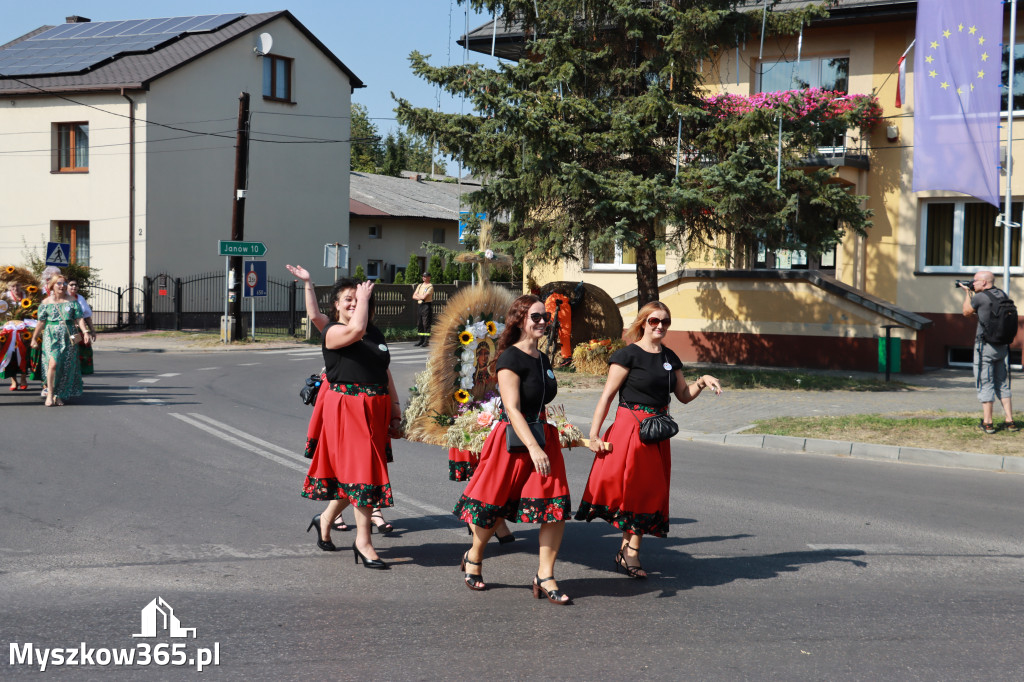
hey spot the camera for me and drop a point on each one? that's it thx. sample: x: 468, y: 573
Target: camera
x: 964, y: 282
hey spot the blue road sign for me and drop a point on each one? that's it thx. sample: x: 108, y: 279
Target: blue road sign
x: 255, y: 273
x: 464, y: 223
x: 58, y: 254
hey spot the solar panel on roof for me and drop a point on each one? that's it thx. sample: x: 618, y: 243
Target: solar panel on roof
x: 70, y: 48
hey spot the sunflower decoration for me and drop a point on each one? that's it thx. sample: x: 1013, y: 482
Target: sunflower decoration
x: 31, y: 288
x: 26, y: 335
x: 458, y: 372
x: 492, y: 329
x: 10, y: 269
x: 3, y: 337
x: 26, y: 303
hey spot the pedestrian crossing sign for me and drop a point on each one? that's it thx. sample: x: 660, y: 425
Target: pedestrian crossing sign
x: 58, y: 254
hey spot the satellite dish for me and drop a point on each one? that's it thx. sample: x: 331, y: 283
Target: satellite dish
x: 264, y: 43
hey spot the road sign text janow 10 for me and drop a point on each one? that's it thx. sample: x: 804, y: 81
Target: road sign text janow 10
x: 242, y: 248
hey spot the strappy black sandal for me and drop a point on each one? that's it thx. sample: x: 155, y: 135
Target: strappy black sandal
x: 637, y: 571
x: 554, y: 596
x: 474, y: 581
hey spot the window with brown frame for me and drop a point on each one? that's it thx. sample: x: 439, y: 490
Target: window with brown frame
x: 277, y: 78
x: 71, y: 148
x: 76, y: 234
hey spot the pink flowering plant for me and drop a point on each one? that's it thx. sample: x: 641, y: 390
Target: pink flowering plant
x: 862, y: 112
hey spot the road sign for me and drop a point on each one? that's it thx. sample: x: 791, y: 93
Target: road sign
x: 464, y: 223
x: 335, y: 255
x: 241, y: 248
x: 58, y: 254
x: 255, y: 278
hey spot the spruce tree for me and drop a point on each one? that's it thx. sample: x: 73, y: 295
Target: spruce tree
x: 576, y: 142
x: 412, y: 270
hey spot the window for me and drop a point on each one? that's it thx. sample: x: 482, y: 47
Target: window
x: 618, y: 257
x: 277, y: 78
x: 373, y: 268
x: 960, y: 235
x: 438, y: 235
x: 827, y: 73
x: 791, y: 259
x: 375, y: 231
x: 75, y: 234
x: 71, y: 148
x: 1018, y: 77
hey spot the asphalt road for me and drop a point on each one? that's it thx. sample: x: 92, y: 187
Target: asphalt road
x: 178, y: 476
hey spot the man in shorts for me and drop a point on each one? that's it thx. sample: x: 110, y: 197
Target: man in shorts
x: 991, y: 374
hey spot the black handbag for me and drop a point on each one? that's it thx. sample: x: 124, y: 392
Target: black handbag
x: 310, y: 389
x: 513, y: 443
x: 656, y: 428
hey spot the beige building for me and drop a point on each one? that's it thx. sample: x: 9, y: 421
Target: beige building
x: 391, y: 218
x: 797, y: 309
x: 119, y: 139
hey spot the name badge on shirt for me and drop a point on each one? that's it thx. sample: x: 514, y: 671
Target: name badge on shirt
x: 551, y: 374
x: 383, y: 347
x: 668, y: 366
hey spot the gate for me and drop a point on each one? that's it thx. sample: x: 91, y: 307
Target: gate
x: 112, y: 307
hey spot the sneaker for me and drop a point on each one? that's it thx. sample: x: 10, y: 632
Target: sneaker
x: 987, y: 428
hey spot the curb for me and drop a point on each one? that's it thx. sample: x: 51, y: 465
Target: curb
x: 868, y: 451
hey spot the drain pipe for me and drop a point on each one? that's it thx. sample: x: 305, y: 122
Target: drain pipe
x: 131, y: 208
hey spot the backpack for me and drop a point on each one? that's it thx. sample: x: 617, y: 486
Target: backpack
x: 1001, y: 326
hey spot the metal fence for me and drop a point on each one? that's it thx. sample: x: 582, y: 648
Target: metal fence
x: 196, y: 303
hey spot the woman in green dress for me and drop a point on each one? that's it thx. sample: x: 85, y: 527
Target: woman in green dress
x: 58, y: 316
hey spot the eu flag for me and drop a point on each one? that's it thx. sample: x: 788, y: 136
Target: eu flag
x: 957, y: 69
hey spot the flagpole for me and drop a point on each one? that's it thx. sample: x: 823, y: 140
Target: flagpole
x: 1007, y: 225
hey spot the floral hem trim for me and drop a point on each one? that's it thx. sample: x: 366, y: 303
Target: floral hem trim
x: 359, y: 389
x: 630, y: 522
x: 359, y: 494
x: 460, y: 471
x: 525, y: 510
x: 310, y: 447
x: 640, y: 407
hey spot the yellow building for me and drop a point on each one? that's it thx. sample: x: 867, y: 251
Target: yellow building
x: 788, y: 309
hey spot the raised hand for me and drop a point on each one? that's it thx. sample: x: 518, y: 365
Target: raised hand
x: 299, y: 272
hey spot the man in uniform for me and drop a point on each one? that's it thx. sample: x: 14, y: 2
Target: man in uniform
x: 424, y: 294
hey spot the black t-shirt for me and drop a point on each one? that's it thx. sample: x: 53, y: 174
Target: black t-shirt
x: 648, y: 381
x: 363, y: 362
x: 982, y: 304
x: 536, y: 379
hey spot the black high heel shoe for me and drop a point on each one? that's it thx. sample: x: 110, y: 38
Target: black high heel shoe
x: 368, y: 563
x: 383, y: 526
x: 507, y: 539
x: 474, y: 581
x: 554, y: 596
x: 637, y: 571
x: 325, y: 545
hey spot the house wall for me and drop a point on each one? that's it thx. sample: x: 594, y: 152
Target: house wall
x: 32, y: 197
x: 298, y: 193
x: 399, y: 238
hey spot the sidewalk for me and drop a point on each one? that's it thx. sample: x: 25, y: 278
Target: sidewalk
x: 726, y: 419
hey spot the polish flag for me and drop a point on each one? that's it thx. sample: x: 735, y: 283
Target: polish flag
x: 901, y: 80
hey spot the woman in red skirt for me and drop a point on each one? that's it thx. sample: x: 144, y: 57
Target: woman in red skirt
x: 529, y: 484
x: 355, y: 416
x: 461, y: 465
x: 629, y: 486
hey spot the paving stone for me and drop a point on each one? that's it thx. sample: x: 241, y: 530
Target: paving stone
x: 874, y: 451
x: 970, y: 460
x: 1013, y: 464
x: 745, y: 440
x: 790, y: 443
x: 827, y: 447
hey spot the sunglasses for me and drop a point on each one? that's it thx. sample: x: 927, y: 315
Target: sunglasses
x: 540, y: 317
x: 655, y: 321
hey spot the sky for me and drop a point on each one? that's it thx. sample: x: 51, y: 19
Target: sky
x: 372, y: 37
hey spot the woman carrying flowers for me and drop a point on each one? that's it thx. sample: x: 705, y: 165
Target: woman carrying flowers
x: 59, y: 315
x: 629, y: 486
x: 527, y: 485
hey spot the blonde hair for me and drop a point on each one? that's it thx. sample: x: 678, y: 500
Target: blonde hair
x: 636, y: 330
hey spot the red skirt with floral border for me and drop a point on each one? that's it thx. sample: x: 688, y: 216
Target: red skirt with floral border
x: 461, y: 464
x: 349, y: 443
x: 505, y: 485
x: 629, y: 486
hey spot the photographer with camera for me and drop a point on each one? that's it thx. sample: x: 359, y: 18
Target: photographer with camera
x: 991, y: 345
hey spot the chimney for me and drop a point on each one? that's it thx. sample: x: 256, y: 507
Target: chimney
x: 75, y: 19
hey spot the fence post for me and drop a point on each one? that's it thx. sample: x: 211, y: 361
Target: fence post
x: 147, y: 301
x: 120, y: 312
x: 291, y: 309
x: 177, y: 304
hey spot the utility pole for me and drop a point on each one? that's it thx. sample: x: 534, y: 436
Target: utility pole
x: 238, y: 211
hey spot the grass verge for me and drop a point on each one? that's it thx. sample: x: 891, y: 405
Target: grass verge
x: 934, y: 430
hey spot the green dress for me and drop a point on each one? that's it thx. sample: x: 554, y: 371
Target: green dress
x: 60, y: 325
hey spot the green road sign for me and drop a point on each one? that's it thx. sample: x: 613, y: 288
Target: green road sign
x: 242, y: 248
